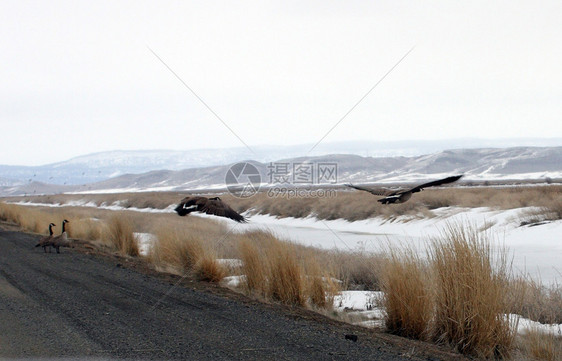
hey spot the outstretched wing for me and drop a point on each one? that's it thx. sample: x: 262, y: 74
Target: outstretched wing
x: 436, y: 183
x: 189, y: 204
x: 221, y: 209
x: 384, y: 192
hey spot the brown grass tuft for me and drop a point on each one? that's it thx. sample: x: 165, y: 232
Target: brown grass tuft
x: 542, y: 347
x: 316, y: 287
x: 407, y: 297
x: 86, y: 229
x: 185, y: 252
x: 208, y: 269
x: 119, y: 235
x: 30, y: 219
x: 284, y: 272
x: 286, y: 282
x: 321, y: 285
x: 254, y: 267
x: 357, y: 269
x: 176, y: 247
x: 537, y: 302
x: 553, y: 209
x: 471, y: 293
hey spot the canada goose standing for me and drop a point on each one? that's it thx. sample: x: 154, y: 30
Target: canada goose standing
x: 62, y: 239
x: 46, y: 241
x: 214, y: 206
x: 402, y: 195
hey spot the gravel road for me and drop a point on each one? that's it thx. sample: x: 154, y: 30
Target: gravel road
x: 81, y: 305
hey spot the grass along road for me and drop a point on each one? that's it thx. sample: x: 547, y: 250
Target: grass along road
x: 81, y: 305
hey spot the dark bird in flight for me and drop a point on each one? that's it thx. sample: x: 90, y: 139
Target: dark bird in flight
x: 402, y: 195
x: 214, y: 206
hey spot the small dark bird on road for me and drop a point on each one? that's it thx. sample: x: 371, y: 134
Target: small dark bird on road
x: 46, y: 241
x: 214, y: 206
x: 402, y: 195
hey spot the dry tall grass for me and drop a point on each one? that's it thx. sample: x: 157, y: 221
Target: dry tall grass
x: 406, y: 282
x: 286, y: 275
x: 272, y: 269
x: 553, y: 209
x: 28, y: 218
x: 542, y: 304
x: 537, y: 302
x: 543, y: 347
x: 357, y: 270
x: 284, y: 272
x: 176, y: 247
x: 209, y: 269
x: 348, y: 204
x: 86, y: 229
x: 316, y: 285
x: 36, y: 220
x: 254, y: 268
x: 471, y: 293
x: 120, y: 235
x: 458, y: 296
x: 179, y: 249
x: 321, y: 285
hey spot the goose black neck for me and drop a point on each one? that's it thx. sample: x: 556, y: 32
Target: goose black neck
x: 50, y: 229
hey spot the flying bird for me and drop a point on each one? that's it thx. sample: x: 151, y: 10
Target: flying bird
x: 402, y: 195
x: 214, y: 206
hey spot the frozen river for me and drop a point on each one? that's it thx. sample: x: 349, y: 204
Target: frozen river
x: 536, y: 251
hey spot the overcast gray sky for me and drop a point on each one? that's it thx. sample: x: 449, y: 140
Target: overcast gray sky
x: 77, y: 77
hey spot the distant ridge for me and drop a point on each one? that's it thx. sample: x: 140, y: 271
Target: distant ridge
x: 517, y: 163
x: 101, y: 166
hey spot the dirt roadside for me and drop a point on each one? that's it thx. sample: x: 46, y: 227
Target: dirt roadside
x: 89, y: 305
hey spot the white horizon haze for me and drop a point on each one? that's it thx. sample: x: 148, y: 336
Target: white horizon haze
x: 79, y: 77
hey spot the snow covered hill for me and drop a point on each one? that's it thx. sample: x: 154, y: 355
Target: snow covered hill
x: 519, y: 163
x: 476, y: 164
x: 102, y: 166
